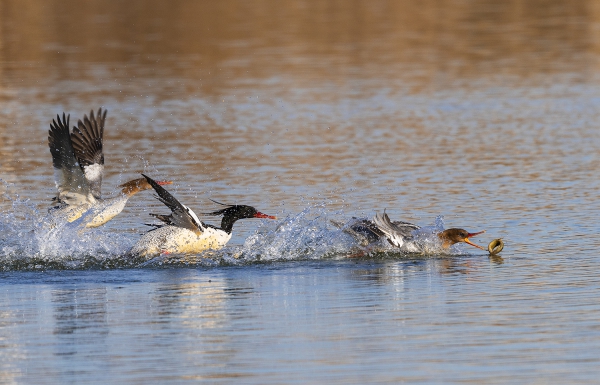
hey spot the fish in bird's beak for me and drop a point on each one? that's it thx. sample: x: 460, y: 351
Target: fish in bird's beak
x: 261, y: 215
x: 163, y: 182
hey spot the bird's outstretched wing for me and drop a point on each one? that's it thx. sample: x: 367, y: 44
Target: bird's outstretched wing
x: 86, y: 139
x: 398, y: 232
x: 363, y: 230
x: 73, y: 187
x: 181, y: 216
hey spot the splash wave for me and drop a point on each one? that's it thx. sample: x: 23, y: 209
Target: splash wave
x: 31, y: 240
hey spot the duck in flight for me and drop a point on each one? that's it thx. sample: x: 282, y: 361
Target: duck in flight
x: 78, y: 162
x: 182, y: 232
x: 401, y: 234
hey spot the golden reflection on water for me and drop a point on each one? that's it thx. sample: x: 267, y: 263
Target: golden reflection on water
x: 223, y: 42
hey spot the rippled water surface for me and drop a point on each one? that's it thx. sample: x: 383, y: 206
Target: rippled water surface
x: 478, y: 114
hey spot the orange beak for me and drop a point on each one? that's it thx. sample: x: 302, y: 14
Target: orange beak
x: 466, y: 240
x: 261, y: 215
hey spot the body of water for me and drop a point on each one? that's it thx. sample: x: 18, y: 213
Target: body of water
x: 476, y: 114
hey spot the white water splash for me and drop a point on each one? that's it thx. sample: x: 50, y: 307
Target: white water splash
x: 307, y: 235
x: 32, y: 239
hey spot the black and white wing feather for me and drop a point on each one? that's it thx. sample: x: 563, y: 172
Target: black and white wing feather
x: 73, y: 187
x: 86, y: 139
x: 397, y: 232
x: 181, y: 216
x: 363, y: 230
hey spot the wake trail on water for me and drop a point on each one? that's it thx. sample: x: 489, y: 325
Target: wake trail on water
x: 30, y: 239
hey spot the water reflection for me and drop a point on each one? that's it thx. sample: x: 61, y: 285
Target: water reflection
x: 80, y: 325
x: 226, y: 42
x: 209, y: 310
x: 395, y: 273
x: 80, y: 311
x: 351, y: 106
x: 496, y: 259
x: 228, y: 322
x: 199, y: 305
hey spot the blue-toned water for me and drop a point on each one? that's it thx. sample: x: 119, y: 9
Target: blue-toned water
x: 477, y: 114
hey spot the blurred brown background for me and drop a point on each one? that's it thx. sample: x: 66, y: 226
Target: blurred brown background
x: 221, y: 41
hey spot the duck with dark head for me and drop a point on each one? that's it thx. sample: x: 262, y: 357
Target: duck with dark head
x: 183, y: 233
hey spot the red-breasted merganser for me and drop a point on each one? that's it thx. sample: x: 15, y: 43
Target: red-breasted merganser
x: 183, y: 232
x: 78, y: 163
x: 400, y: 233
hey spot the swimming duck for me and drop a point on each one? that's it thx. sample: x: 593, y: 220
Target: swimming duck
x: 78, y: 162
x: 182, y: 231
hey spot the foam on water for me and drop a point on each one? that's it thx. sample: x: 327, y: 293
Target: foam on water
x: 306, y: 235
x: 33, y: 240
